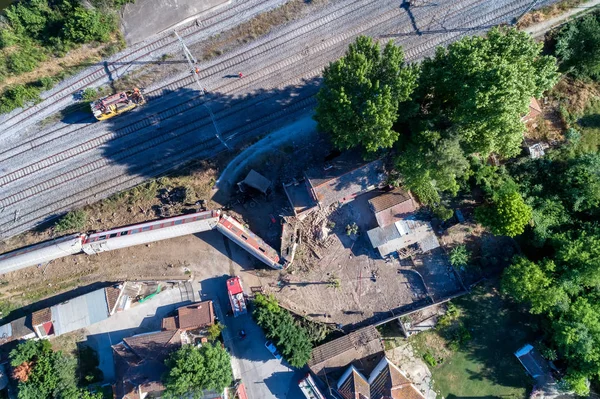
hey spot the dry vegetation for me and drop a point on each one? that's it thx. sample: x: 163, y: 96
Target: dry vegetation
x: 547, y: 12
x: 71, y: 63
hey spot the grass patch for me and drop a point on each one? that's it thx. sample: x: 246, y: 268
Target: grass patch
x: 472, y: 353
x: 73, y: 221
x: 391, y: 334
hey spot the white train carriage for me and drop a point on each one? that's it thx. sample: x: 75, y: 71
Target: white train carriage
x: 156, y: 230
x: 249, y: 241
x: 41, y: 253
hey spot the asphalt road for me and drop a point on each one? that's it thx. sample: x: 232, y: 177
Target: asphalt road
x: 263, y: 376
x: 46, y: 171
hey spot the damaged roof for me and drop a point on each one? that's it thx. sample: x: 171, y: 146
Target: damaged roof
x: 345, y: 177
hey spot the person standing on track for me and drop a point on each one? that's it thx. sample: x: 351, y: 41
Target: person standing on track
x: 240, y: 75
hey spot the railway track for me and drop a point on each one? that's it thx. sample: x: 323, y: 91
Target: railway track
x: 324, y: 55
x: 211, y: 24
x: 86, y: 174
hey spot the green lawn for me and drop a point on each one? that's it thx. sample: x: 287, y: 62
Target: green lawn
x: 484, y: 366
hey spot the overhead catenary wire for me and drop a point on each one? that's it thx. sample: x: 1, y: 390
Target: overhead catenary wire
x: 193, y: 63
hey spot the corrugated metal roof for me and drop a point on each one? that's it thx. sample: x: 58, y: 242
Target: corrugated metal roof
x: 257, y: 181
x: 381, y: 235
x: 80, y: 312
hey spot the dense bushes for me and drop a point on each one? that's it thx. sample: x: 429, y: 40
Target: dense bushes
x: 42, y: 373
x: 290, y: 338
x: 578, y: 47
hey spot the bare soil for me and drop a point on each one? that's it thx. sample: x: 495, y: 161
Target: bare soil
x: 489, y: 253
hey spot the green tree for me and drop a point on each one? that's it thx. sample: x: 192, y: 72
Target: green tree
x: 507, y: 215
x: 193, y: 370
x: 581, y: 182
x: 578, y: 47
x: 88, y: 25
x: 535, y: 284
x: 29, y: 18
x: 358, y: 103
x: 289, y: 336
x: 482, y: 86
x: 214, y: 331
x: 564, y: 290
x: 432, y: 164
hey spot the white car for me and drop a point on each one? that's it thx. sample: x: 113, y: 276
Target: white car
x: 271, y: 347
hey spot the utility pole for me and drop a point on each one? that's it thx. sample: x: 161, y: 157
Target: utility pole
x: 193, y: 62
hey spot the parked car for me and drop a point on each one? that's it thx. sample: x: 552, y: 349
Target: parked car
x: 271, y: 347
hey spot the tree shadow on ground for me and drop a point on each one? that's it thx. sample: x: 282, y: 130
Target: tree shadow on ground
x: 498, y: 328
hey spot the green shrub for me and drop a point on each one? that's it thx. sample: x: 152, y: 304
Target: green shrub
x: 214, y: 331
x: 89, y: 94
x: 430, y: 360
x: 72, y: 221
x: 17, y: 96
x: 89, y: 25
x: 442, y: 212
x: 26, y: 59
x: 46, y: 82
x: 460, y: 256
x: 8, y: 38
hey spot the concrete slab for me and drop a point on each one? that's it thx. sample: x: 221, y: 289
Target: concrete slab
x: 145, y: 18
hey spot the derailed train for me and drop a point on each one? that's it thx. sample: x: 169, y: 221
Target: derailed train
x: 137, y: 234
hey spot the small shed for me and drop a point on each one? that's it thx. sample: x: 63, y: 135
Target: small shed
x: 257, y: 181
x: 532, y: 361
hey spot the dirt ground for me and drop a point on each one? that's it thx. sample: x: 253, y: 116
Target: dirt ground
x: 348, y: 275
x: 489, y: 253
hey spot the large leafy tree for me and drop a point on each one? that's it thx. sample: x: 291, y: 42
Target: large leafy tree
x: 483, y: 85
x: 432, y: 164
x: 358, y: 103
x: 508, y: 214
x: 581, y: 183
x: 578, y: 47
x: 193, y: 370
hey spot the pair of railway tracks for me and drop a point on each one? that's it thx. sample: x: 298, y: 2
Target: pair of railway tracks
x: 324, y: 51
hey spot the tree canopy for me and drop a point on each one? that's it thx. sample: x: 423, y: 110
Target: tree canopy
x: 564, y: 288
x: 193, y: 370
x: 578, y: 47
x: 482, y: 86
x: 507, y: 215
x: 44, y: 374
x: 358, y: 103
x: 289, y: 336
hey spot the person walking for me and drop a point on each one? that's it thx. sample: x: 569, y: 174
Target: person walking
x: 240, y: 75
